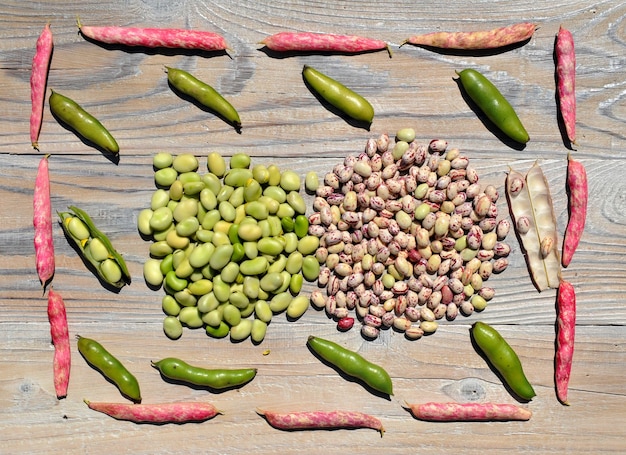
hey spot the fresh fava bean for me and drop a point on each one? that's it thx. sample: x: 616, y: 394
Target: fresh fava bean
x: 172, y: 327
x: 494, y: 105
x: 112, y: 369
x: 352, y: 364
x: 82, y: 122
x: 311, y: 182
x: 203, y: 93
x: 503, y: 358
x: 298, y: 306
x: 338, y: 95
x: 241, y: 331
x: 112, y: 269
x: 214, y: 378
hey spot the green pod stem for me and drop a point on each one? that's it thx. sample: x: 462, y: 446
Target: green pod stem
x: 493, y: 104
x: 204, y: 94
x: 352, y: 364
x: 82, y: 122
x: 95, y: 233
x: 218, y: 378
x: 503, y: 358
x: 110, y: 367
x: 338, y: 95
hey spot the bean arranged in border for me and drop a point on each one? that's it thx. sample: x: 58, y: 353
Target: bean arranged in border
x: 566, y: 80
x: 110, y: 367
x: 578, y: 199
x: 321, y: 420
x: 61, y: 340
x: 468, y: 412
x: 42, y: 223
x: 219, y: 378
x: 177, y: 412
x: 38, y: 80
x: 352, y: 364
x: 322, y: 42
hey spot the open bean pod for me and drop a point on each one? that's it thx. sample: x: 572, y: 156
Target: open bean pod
x: 95, y: 247
x: 530, y: 204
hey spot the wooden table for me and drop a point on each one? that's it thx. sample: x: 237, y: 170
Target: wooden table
x: 284, y: 124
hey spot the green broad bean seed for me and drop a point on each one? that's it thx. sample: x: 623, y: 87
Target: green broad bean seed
x: 189, y: 177
x: 143, y: 222
x: 290, y: 181
x: 208, y: 199
x: 231, y: 314
x: 165, y: 177
x: 162, y: 160
x: 239, y: 300
x: 220, y: 331
x: 224, y: 193
x: 280, y: 302
x: 251, y: 286
x: 422, y: 210
x: 258, y: 330
x: 230, y: 272
x: 270, y: 246
x: 184, y: 269
x: 221, y: 256
x: 227, y: 211
x: 270, y: 282
x: 255, y: 266
x: 178, y: 256
x: 406, y: 135
x: 111, y: 271
x: 152, y: 272
x: 301, y: 226
x: 240, y: 161
x: 220, y: 238
x: 232, y: 233
x: 176, y: 191
x: 257, y: 210
x: 311, y: 182
x: 188, y: 227
x: 176, y: 241
x: 157, y: 249
x: 172, y: 205
x: 221, y: 289
x: 185, y: 162
x: 237, y: 177
x: 186, y: 208
x: 208, y: 302
x: 162, y: 235
x: 298, y: 307
x: 294, y: 262
x: 276, y: 193
x: 170, y: 306
x: 238, y: 252
x: 173, y: 282
x: 284, y: 210
x: 210, y: 219
x: 167, y: 264
x: 291, y: 242
x: 193, y: 188
x: 399, y: 148
x: 216, y: 164
x: 172, y: 327
x: 275, y: 175
x: 250, y: 249
x: 278, y: 265
x: 287, y: 223
x: 249, y: 232
x: 276, y: 228
x: 201, y: 255
x: 200, y: 287
x: 260, y: 173
x: 77, y: 228
x: 295, y: 284
x: 263, y: 311
x: 286, y: 280
x: 247, y: 311
x: 161, y: 219
x: 97, y: 250
x: 212, y: 182
x: 310, y: 268
x: 190, y: 317
x: 271, y: 204
x: 241, y: 331
x: 295, y: 200
x: 214, y: 317
x: 308, y: 244
x: 185, y: 298
x: 252, y: 190
x: 237, y: 198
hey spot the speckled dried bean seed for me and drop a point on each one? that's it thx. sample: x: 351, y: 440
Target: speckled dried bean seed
x: 502, y: 229
x: 499, y: 265
x: 370, y: 332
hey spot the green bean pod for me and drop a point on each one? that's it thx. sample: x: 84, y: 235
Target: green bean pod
x: 82, y: 122
x: 338, y: 95
x: 503, y: 358
x: 219, y: 378
x: 352, y: 364
x: 493, y: 104
x: 112, y: 369
x: 204, y: 94
x: 82, y: 244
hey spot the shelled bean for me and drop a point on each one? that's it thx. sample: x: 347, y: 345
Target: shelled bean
x: 230, y: 247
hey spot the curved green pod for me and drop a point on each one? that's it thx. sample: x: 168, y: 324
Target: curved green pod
x: 82, y: 122
x: 218, y: 378
x: 493, y: 104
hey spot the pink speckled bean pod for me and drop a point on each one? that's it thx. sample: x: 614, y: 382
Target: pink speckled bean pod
x: 468, y: 412
x: 566, y: 329
x: 321, y: 420
x: 482, y: 39
x: 42, y: 221
x: 179, y: 412
x: 38, y: 79
x: 566, y: 80
x: 322, y: 42
x: 61, y: 340
x: 578, y: 198
x: 155, y: 37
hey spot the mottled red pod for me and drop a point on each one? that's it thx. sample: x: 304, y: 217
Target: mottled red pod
x: 578, y: 198
x: 468, y: 412
x: 42, y: 222
x: 38, y: 80
x: 59, y: 333
x: 179, y: 412
x: 566, y: 80
x: 566, y: 329
x: 473, y: 40
x: 321, y: 420
x: 322, y: 42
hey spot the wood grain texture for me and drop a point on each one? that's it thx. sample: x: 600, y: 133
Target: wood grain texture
x: 283, y: 123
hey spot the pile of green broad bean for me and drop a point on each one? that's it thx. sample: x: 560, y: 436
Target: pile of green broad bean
x: 230, y: 246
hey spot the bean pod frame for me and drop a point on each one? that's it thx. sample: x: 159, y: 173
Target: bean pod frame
x: 94, y: 233
x: 38, y: 80
x: 111, y: 368
x: 468, y: 412
x: 161, y: 413
x: 338, y: 95
x: 321, y: 420
x: 493, y: 104
x: 323, y: 42
x: 352, y: 364
x: 503, y: 358
x: 218, y: 378
x: 204, y: 94
x: 82, y: 122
